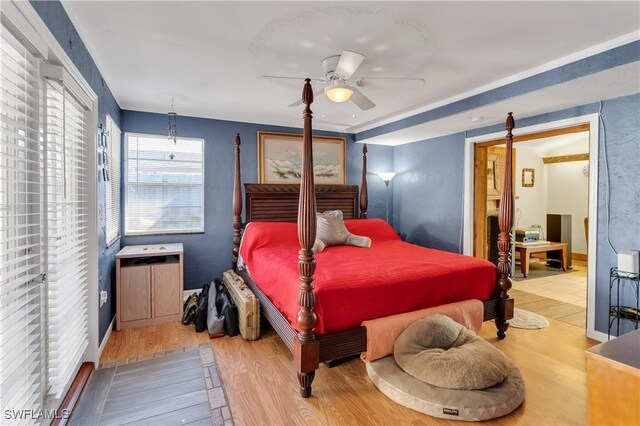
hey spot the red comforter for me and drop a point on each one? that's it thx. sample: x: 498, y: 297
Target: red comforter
x: 354, y: 284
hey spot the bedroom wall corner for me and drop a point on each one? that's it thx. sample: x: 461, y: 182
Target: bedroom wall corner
x: 428, y: 203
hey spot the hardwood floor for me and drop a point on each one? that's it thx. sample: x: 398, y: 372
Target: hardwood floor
x: 260, y: 383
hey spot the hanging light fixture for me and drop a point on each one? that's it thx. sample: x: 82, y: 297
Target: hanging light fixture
x: 171, y: 128
x: 338, y: 91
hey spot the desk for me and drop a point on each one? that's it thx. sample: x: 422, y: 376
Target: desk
x: 526, y: 250
x: 613, y: 381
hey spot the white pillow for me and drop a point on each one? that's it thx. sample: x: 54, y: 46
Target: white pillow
x: 330, y: 231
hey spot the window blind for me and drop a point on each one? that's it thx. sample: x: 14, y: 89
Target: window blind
x: 20, y: 260
x: 113, y: 164
x: 67, y: 239
x: 164, y: 185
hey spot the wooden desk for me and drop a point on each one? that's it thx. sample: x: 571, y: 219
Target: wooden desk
x: 613, y: 381
x: 526, y: 250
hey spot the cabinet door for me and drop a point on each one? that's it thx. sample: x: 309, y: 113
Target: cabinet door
x: 136, y: 293
x: 167, y: 291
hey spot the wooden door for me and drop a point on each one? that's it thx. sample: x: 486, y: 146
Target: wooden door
x: 167, y: 288
x: 135, y: 288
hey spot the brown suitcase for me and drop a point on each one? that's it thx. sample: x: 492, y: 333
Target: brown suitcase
x: 247, y: 303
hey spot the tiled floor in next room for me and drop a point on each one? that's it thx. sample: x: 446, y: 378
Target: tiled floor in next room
x: 562, y: 296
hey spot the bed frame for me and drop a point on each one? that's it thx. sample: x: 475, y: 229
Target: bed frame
x: 273, y: 202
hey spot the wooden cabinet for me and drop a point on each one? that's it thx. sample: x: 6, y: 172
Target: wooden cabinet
x: 149, y: 285
x: 613, y: 381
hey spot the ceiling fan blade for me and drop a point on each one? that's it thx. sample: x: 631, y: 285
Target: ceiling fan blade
x: 317, y: 94
x: 361, y: 100
x: 390, y: 82
x: 281, y: 77
x: 348, y: 64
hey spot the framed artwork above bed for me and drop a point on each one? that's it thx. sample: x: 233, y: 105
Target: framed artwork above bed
x: 280, y: 158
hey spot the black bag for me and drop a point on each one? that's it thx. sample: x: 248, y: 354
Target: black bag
x: 201, y: 309
x: 227, y: 309
x: 189, y: 309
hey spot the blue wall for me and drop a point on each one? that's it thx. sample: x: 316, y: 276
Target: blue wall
x: 428, y: 191
x: 58, y: 22
x: 207, y: 255
x: 428, y: 197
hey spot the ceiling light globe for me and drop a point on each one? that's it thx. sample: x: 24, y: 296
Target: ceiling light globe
x: 338, y: 92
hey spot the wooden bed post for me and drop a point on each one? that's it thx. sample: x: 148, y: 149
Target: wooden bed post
x: 237, y: 206
x: 364, y: 198
x: 505, y: 222
x: 306, y: 349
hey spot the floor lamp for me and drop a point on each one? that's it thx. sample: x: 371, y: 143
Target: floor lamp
x: 386, y: 177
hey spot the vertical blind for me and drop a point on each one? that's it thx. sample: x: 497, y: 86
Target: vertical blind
x: 21, y: 310
x: 164, y: 185
x: 67, y: 236
x: 112, y: 165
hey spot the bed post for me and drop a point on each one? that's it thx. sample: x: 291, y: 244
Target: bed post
x: 505, y: 221
x: 306, y: 352
x: 237, y: 206
x: 364, y: 197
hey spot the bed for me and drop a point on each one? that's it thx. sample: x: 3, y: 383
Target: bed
x: 318, y: 330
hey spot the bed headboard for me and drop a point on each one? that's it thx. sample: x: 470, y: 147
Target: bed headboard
x: 279, y: 203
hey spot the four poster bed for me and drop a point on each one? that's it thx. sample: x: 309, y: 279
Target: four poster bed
x: 399, y: 277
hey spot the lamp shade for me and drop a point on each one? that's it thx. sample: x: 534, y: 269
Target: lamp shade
x: 338, y: 92
x: 386, y: 176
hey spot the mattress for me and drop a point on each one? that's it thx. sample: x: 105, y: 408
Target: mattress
x: 354, y: 284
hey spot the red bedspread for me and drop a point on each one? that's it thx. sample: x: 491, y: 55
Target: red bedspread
x: 354, y: 284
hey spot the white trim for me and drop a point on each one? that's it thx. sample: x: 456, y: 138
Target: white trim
x: 105, y: 339
x: 594, y: 134
x: 55, y: 53
x: 599, y: 335
x: 591, y: 51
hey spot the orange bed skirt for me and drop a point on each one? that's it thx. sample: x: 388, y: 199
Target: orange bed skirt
x: 382, y: 332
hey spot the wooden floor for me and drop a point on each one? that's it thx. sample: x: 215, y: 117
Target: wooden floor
x: 261, y: 387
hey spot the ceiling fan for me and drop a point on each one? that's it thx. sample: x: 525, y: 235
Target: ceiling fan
x: 338, y: 70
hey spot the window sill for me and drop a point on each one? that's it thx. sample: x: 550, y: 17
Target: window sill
x: 112, y: 242
x: 158, y: 234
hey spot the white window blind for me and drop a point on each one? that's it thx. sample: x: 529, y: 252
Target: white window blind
x: 20, y: 262
x: 113, y: 164
x: 67, y: 239
x: 164, y: 185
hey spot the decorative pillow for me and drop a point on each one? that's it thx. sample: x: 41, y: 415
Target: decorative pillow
x: 330, y: 231
x: 443, y: 353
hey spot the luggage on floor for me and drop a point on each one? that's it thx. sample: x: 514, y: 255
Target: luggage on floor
x: 247, y: 303
x: 202, y: 309
x: 226, y: 309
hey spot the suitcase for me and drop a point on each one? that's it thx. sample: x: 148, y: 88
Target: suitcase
x: 247, y: 303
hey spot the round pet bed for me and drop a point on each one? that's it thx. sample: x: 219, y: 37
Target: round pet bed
x: 444, y: 370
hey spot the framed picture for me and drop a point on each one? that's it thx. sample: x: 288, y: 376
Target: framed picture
x: 528, y: 177
x: 280, y: 158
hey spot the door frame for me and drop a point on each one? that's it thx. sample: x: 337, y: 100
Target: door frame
x: 594, y: 132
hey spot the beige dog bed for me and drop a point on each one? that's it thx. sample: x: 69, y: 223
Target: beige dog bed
x: 444, y: 370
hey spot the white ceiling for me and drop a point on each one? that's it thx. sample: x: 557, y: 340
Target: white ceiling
x: 209, y: 55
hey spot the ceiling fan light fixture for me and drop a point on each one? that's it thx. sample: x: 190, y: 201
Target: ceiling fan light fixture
x: 338, y: 92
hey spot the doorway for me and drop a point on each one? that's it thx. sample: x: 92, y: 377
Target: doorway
x: 550, y: 212
x: 480, y: 206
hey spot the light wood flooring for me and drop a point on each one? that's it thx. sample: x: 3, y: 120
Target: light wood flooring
x: 260, y: 383
x: 562, y: 296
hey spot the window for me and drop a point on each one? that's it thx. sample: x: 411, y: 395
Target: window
x: 112, y: 165
x: 164, y: 185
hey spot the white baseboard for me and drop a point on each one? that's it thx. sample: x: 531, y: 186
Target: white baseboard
x: 105, y: 339
x: 187, y: 293
x: 598, y: 335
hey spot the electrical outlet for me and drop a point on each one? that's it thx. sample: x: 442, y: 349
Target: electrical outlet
x: 103, y: 297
